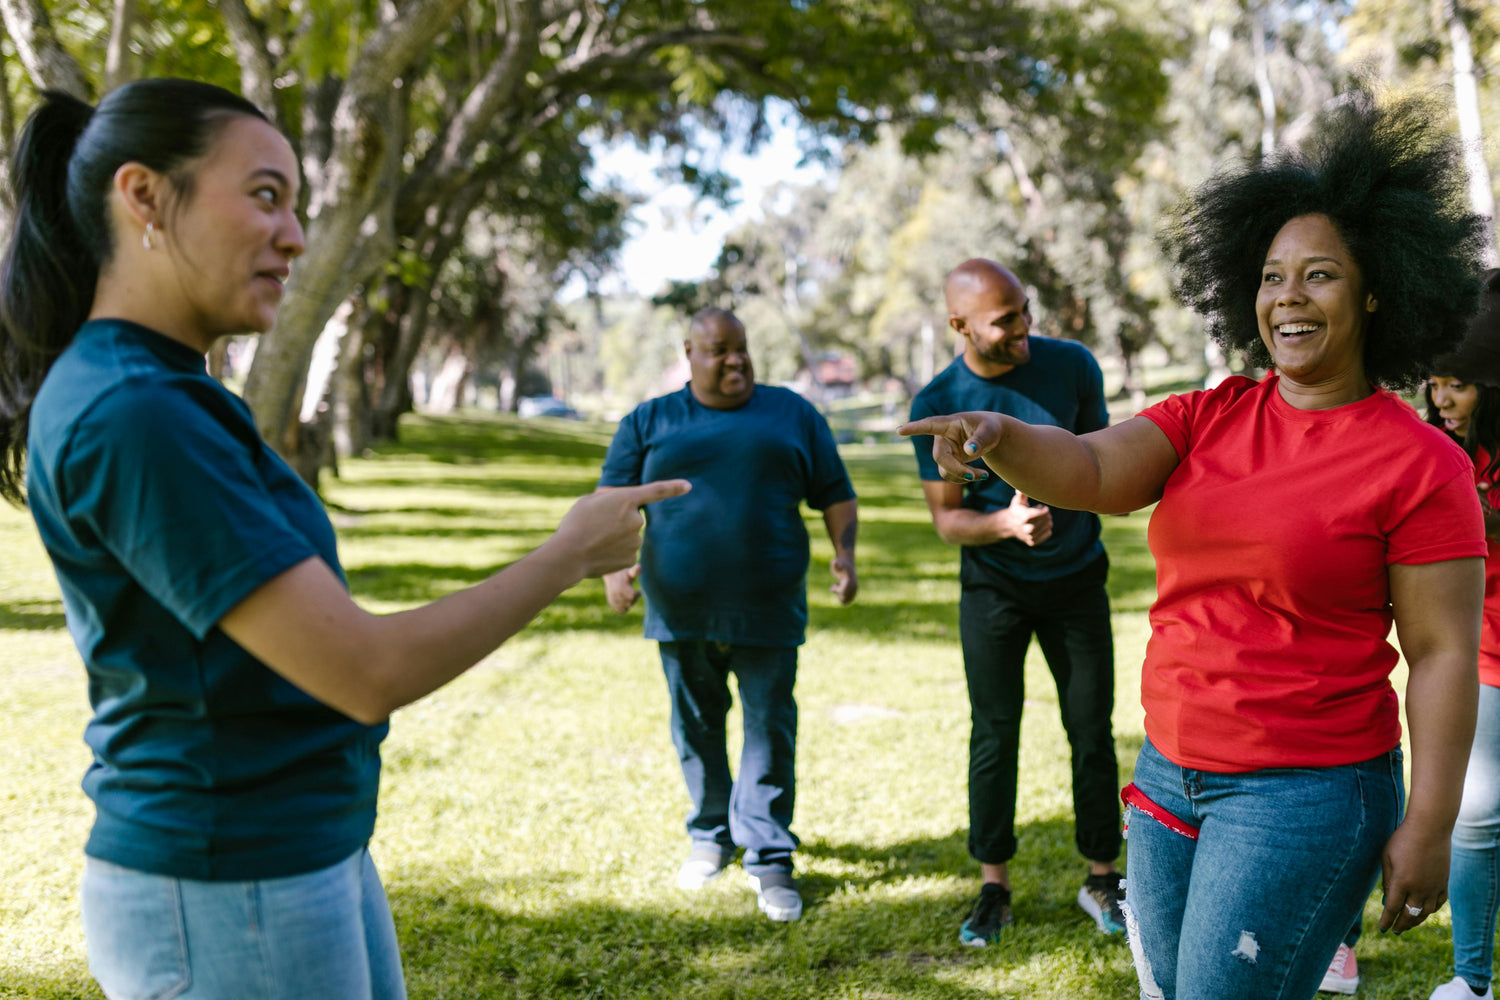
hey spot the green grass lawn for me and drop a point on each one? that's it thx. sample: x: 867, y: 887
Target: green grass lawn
x: 531, y: 818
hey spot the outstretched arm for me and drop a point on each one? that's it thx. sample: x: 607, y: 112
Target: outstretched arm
x: 303, y: 624
x: 1437, y: 608
x: 842, y: 521
x: 1110, y: 471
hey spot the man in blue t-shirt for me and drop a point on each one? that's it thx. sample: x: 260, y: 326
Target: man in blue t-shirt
x: 1025, y: 570
x: 724, y: 570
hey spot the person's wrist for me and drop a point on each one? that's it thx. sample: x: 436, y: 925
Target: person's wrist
x: 562, y: 562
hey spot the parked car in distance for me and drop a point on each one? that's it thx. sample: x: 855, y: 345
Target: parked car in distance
x: 546, y: 406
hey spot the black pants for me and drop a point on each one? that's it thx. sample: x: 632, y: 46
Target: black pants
x: 997, y: 616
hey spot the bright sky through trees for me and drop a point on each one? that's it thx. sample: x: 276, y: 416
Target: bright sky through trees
x: 676, y: 235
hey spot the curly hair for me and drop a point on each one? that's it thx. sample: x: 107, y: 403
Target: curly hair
x: 1390, y: 177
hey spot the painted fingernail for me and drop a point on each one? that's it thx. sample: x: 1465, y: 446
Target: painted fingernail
x: 968, y: 475
x: 971, y: 447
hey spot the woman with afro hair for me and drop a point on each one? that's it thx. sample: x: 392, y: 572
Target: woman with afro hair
x: 1297, y: 519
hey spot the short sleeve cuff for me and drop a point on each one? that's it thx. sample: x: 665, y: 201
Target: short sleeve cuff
x: 239, y: 582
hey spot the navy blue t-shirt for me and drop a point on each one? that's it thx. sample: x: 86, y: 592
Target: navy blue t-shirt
x: 1061, y: 385
x: 728, y: 561
x: 162, y: 508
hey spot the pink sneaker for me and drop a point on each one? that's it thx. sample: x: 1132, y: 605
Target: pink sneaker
x: 1343, y: 973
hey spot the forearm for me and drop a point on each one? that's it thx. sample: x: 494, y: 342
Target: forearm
x: 304, y: 626
x: 842, y: 522
x: 1046, y: 463
x: 961, y: 526
x: 1442, y: 695
x: 417, y: 651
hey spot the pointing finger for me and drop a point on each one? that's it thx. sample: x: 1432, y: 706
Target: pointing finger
x: 936, y: 426
x: 662, y: 489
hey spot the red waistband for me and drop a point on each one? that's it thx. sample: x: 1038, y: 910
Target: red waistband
x: 1134, y: 797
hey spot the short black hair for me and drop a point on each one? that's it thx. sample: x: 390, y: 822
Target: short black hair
x: 1390, y: 177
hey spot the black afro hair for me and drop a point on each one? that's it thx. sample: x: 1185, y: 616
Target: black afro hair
x: 1390, y: 176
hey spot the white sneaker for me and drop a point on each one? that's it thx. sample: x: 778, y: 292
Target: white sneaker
x: 705, y: 862
x: 1343, y: 972
x: 777, y: 896
x: 1457, y: 989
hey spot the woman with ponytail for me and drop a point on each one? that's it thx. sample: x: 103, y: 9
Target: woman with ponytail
x: 239, y: 695
x: 1463, y: 397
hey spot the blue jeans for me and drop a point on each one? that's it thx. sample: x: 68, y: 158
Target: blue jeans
x: 1284, y: 861
x: 1474, y: 880
x: 326, y: 935
x: 755, y: 810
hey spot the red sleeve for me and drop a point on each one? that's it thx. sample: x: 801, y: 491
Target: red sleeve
x: 1174, y: 415
x: 1445, y: 524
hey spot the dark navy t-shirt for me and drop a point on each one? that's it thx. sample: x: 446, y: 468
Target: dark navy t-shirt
x: 1061, y: 385
x: 728, y: 561
x: 162, y: 508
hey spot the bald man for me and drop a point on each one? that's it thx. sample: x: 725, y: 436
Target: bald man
x: 725, y: 579
x: 1025, y: 570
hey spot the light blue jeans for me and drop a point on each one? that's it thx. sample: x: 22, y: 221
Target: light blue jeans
x: 1474, y: 879
x: 326, y: 935
x: 1285, y: 858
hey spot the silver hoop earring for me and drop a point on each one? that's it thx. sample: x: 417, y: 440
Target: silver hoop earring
x: 146, y: 236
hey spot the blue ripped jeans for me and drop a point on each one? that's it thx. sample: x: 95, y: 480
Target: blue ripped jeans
x: 1474, y: 880
x: 1285, y: 859
x: 325, y: 935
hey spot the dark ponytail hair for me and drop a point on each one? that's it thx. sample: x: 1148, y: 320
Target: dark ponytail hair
x: 62, y: 171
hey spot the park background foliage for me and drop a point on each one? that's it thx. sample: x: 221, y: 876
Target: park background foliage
x: 448, y: 149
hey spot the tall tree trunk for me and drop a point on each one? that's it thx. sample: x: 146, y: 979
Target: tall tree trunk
x: 351, y: 394
x: 1470, y: 127
x: 1263, y: 81
x: 438, y: 240
x: 350, y: 226
x: 47, y: 63
x: 251, y: 51
x: 7, y: 145
x: 119, y: 62
x: 396, y: 395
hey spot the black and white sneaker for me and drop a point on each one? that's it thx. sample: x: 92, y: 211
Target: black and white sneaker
x: 1100, y: 898
x: 989, y: 916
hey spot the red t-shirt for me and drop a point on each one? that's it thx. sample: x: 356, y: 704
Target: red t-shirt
x: 1489, y: 631
x: 1272, y: 541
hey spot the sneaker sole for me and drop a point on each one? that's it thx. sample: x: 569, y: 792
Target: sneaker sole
x: 1087, y: 904
x: 778, y: 914
x: 694, y: 882
x: 1338, y: 984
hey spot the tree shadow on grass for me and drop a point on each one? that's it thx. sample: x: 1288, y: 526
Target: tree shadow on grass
x: 562, y: 487
x: 56, y: 985
x: 599, y: 950
x: 32, y: 616
x: 714, y: 944
x: 496, y: 437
